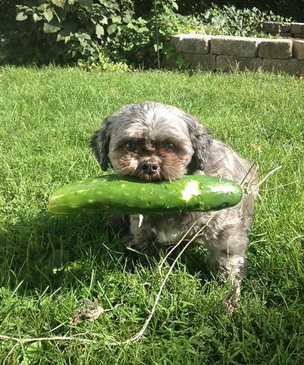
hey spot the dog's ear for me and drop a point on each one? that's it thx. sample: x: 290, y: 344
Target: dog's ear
x: 201, y: 140
x: 100, y: 144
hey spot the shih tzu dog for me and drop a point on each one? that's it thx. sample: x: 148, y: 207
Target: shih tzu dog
x: 152, y: 141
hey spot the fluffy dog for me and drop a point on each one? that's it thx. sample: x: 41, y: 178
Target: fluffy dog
x: 152, y: 141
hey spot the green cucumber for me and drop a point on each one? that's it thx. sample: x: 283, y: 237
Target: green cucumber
x: 127, y: 195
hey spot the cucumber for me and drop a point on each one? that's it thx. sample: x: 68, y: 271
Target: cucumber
x: 127, y: 195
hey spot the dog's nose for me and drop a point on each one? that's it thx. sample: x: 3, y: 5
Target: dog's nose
x: 149, y: 167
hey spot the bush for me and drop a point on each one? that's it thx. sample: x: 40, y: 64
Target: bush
x: 62, y: 31
x: 286, y: 8
x: 140, y: 40
x: 90, y: 33
x: 228, y: 20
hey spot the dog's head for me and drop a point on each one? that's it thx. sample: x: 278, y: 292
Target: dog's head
x: 151, y: 141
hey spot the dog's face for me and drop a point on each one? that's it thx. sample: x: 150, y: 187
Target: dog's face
x: 162, y: 158
x: 151, y: 141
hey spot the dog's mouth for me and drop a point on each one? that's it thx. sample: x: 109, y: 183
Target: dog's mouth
x: 156, y: 174
x: 147, y: 174
x: 150, y: 170
x: 159, y: 175
x: 150, y: 178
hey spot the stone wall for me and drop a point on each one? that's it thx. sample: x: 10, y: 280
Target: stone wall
x: 226, y: 53
x: 291, y: 30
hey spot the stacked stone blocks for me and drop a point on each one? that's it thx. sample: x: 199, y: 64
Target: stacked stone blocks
x: 293, y: 30
x: 224, y: 53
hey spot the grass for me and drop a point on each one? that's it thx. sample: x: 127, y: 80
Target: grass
x: 48, y: 264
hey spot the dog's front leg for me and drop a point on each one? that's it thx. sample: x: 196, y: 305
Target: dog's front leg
x: 141, y: 238
x: 230, y: 269
x: 226, y: 255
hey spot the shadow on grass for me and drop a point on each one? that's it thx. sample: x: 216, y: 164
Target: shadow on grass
x: 51, y: 251
x: 55, y: 251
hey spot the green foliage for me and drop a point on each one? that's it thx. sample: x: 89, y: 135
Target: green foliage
x: 285, y: 8
x: 109, y: 34
x: 140, y: 41
x: 103, y: 63
x: 93, y: 33
x: 228, y: 20
x: 62, y: 31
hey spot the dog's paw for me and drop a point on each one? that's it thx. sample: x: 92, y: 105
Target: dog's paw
x: 233, y: 300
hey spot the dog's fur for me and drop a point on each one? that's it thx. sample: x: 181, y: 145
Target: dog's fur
x: 153, y: 141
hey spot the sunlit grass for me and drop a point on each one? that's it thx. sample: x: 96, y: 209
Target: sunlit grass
x: 48, y: 264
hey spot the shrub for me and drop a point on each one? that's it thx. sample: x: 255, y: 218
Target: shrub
x: 63, y: 31
x: 140, y: 40
x: 89, y: 32
x: 285, y: 8
x: 228, y: 20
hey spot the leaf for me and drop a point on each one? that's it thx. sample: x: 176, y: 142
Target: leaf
x: 62, y: 13
x: 87, y: 3
x: 61, y: 37
x: 48, y: 14
x: 21, y: 16
x: 111, y: 29
x: 36, y: 17
x: 99, y: 31
x: 65, y: 33
x: 104, y: 20
x: 50, y: 28
x: 59, y: 3
x: 69, y: 27
x: 174, y: 5
x: 116, y: 18
x: 43, y: 6
x: 127, y: 18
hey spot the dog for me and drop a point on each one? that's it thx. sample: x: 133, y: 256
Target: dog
x: 154, y: 142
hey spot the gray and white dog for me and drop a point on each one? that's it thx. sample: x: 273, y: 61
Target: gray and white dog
x: 152, y: 141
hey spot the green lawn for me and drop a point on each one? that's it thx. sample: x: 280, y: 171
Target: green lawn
x: 48, y: 264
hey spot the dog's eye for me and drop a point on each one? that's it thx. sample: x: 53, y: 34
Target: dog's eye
x: 130, y: 146
x: 169, y: 147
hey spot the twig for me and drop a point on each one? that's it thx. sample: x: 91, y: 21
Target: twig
x: 248, y: 172
x: 248, y: 188
x: 174, y: 247
x: 267, y: 176
x: 280, y: 186
x: 57, y: 338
